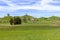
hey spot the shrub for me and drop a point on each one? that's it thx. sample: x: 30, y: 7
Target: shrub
x: 15, y: 20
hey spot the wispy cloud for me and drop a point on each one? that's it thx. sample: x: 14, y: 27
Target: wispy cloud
x: 13, y: 5
x: 37, y: 5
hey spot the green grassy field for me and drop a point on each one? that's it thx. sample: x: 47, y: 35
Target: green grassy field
x: 29, y: 32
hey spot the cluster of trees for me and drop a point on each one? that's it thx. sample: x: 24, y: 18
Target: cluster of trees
x: 25, y: 19
x: 18, y: 20
x: 15, y: 20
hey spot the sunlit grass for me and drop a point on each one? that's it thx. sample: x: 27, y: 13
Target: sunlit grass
x: 29, y: 32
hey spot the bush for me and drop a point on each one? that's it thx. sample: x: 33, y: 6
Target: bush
x: 11, y: 21
x: 15, y: 20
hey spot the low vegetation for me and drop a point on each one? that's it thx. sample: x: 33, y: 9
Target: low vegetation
x: 30, y: 19
x: 37, y: 29
x: 29, y: 32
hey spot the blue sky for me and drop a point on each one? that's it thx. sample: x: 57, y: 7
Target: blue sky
x: 36, y: 8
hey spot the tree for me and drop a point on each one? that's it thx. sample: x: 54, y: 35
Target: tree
x: 15, y: 20
x: 8, y: 14
x: 11, y: 21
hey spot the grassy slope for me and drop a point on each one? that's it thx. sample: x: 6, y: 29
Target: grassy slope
x: 29, y: 32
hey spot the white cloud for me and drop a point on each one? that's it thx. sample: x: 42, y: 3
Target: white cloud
x: 40, y: 5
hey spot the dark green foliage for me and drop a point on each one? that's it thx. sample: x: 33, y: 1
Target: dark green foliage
x: 15, y: 20
x: 28, y: 19
x: 8, y: 14
x: 11, y: 21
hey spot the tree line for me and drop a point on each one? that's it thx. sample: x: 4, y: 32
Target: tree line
x: 25, y: 19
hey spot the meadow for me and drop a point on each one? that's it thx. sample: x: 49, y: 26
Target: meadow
x: 29, y: 32
x: 42, y: 29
